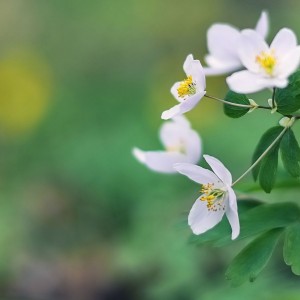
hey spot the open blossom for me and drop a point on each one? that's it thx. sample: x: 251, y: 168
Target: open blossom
x: 182, y: 144
x: 189, y: 91
x: 222, y: 43
x: 267, y: 67
x: 217, y: 197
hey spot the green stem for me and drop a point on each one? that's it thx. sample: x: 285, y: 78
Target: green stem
x: 273, y: 98
x: 262, y: 155
x: 236, y: 104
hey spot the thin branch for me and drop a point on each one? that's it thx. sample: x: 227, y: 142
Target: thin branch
x: 236, y: 104
x: 273, y: 98
x: 262, y: 155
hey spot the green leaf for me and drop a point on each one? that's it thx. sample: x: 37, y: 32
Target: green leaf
x: 263, y: 218
x: 266, y: 140
x: 236, y: 111
x: 290, y: 153
x: 268, y: 169
x: 288, y: 98
x: 291, y: 248
x: 253, y: 258
x: 223, y: 229
x: 255, y: 218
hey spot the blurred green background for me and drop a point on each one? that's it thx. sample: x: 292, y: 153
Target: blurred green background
x: 81, y: 83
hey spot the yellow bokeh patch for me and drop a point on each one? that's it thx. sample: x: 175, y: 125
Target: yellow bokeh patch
x: 24, y: 92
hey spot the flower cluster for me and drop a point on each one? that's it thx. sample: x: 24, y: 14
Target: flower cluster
x: 252, y: 65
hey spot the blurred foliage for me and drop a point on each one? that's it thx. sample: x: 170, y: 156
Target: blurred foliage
x: 81, y: 83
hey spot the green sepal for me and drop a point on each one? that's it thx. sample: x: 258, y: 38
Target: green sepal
x: 290, y: 153
x: 288, y: 98
x: 236, y: 111
x: 248, y: 264
x: 291, y: 248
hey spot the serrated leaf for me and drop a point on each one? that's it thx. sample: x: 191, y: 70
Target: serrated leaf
x: 268, y: 169
x: 290, y: 153
x: 288, y: 98
x: 266, y: 140
x: 236, y: 111
x: 291, y: 248
x: 253, y: 258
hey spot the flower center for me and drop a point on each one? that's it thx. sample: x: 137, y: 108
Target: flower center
x: 187, y: 87
x: 179, y: 147
x: 267, y: 61
x: 214, y: 197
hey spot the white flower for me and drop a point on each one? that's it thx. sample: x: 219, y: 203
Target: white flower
x: 182, y: 144
x: 268, y: 67
x: 217, y: 197
x: 222, y: 42
x: 189, y: 91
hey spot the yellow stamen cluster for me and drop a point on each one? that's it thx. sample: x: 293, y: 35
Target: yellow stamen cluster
x: 267, y: 61
x: 212, y: 196
x: 187, y: 87
x: 207, y: 188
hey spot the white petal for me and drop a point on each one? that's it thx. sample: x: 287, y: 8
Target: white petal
x: 250, y: 45
x: 188, y: 104
x: 222, y: 41
x: 197, y: 174
x: 201, y: 219
x: 194, y: 68
x: 219, y: 169
x: 171, y: 134
x: 171, y: 113
x: 139, y: 155
x: 243, y: 82
x: 246, y: 82
x: 284, y: 41
x: 177, y: 134
x: 232, y: 214
x: 274, y: 82
x: 221, y: 63
x: 193, y: 146
x: 289, y: 63
x: 189, y: 59
x: 210, y: 71
x: 160, y: 161
x: 262, y: 26
x: 182, y: 121
x: 175, y: 92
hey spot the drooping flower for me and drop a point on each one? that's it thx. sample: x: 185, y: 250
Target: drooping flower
x: 181, y: 142
x: 189, y: 91
x: 217, y: 196
x: 222, y: 42
x: 267, y: 67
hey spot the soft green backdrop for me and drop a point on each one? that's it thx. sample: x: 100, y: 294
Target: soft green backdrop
x: 81, y: 83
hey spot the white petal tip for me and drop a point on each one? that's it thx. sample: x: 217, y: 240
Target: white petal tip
x: 171, y: 113
x: 234, y: 235
x: 195, y: 232
x: 165, y: 116
x: 139, y: 155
